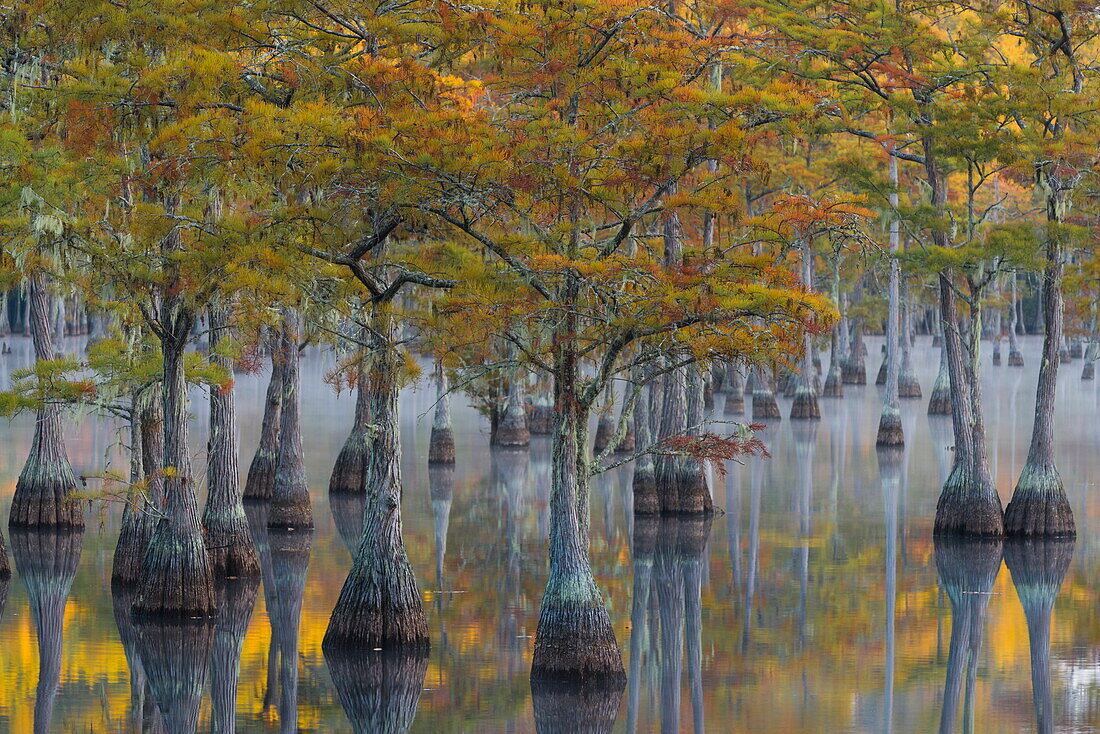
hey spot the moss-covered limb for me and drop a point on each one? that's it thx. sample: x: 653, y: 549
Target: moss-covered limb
x: 236, y: 600
x: 228, y: 541
x: 380, y: 603
x: 290, y: 502
x: 47, y: 559
x: 260, y: 482
x: 379, y: 690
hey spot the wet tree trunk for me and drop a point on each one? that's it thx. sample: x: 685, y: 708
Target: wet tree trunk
x: 261, y: 472
x: 512, y: 431
x: 606, y: 427
x: 764, y: 407
x: 854, y: 371
x: 290, y: 503
x: 349, y: 472
x: 44, y: 492
x: 805, y: 405
x: 940, y: 401
x: 735, y: 392
x: 140, y: 513
x: 890, y: 432
x: 178, y: 581
x: 575, y: 641
x: 441, y: 446
x: 228, y: 541
x: 1039, y: 505
x: 380, y: 604
x: 908, y: 384
x: 644, y: 483
x: 968, y: 503
x: 695, y: 496
x: 673, y: 422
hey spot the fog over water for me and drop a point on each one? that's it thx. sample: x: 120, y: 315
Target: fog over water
x: 816, y: 603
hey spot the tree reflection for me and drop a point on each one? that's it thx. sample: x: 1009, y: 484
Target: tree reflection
x: 289, y: 562
x: 967, y: 568
x: 1037, y: 568
x: 236, y: 600
x: 378, y: 690
x: 144, y: 716
x: 46, y: 560
x: 176, y: 658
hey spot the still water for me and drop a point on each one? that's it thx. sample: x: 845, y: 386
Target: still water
x: 814, y: 604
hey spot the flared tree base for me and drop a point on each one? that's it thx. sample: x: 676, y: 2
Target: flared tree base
x: 1063, y: 356
x: 379, y: 607
x: 1015, y: 359
x: 46, y: 503
x: 805, y: 406
x: 513, y: 437
x: 178, y: 582
x: 833, y: 388
x: 128, y: 564
x: 575, y: 642
x: 708, y: 396
x: 441, y: 446
x: 854, y: 374
x: 293, y: 514
x: 764, y: 407
x: 685, y: 492
x: 996, y: 357
x: 880, y: 378
x: 909, y: 387
x: 734, y: 407
x: 646, y: 500
x: 940, y: 402
x: 231, y: 550
x: 541, y: 420
x: 349, y: 469
x: 260, y: 483
x: 967, y: 509
x: 1076, y: 350
x: 890, y: 431
x: 1088, y: 372
x: 1039, y: 507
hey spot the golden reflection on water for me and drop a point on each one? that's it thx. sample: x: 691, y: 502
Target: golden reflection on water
x: 808, y: 552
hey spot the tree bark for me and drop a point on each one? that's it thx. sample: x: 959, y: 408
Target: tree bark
x: 441, y: 446
x: 644, y: 483
x: 228, y: 541
x: 140, y: 514
x: 236, y: 600
x: 380, y: 604
x: 260, y: 483
x: 804, y: 406
x: 890, y: 432
x: 290, y: 503
x: 44, y: 493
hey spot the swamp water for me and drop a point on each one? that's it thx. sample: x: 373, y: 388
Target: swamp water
x: 817, y: 603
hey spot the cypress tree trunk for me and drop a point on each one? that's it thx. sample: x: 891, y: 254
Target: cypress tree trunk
x: 348, y: 474
x: 1015, y: 357
x: 644, y: 482
x: 1038, y: 567
x: 1039, y: 505
x: 940, y: 402
x: 908, y: 384
x: 228, y: 541
x: 834, y: 387
x: 261, y: 472
x: 890, y: 432
x: 968, y: 503
x: 441, y: 446
x: 512, y: 431
x: 695, y: 496
x: 379, y: 690
x: 540, y: 422
x: 606, y: 427
x: 44, y: 492
x: 764, y: 406
x: 575, y: 641
x: 380, y: 604
x: 140, y: 514
x: 735, y: 392
x: 673, y: 423
x: 177, y: 581
x: 236, y: 600
x: 805, y: 405
x: 967, y: 571
x: 46, y: 560
x: 854, y: 371
x: 290, y: 503
x: 441, y: 482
